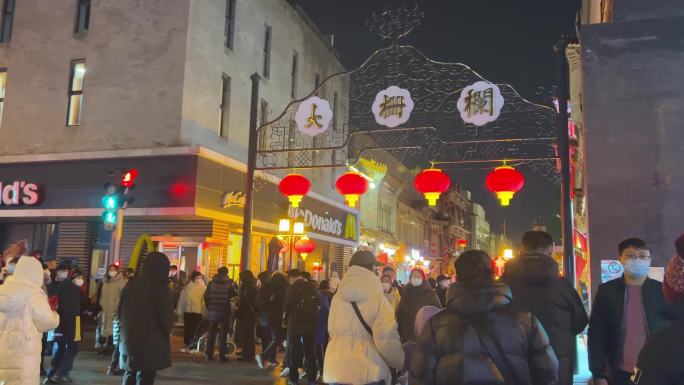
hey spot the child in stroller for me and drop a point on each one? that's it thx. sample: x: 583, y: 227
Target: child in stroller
x: 202, y: 334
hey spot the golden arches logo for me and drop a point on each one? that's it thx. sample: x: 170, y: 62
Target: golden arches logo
x: 350, y: 227
x: 144, y: 240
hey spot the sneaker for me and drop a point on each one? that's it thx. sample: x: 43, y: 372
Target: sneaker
x: 50, y: 380
x: 114, y: 372
x: 259, y: 361
x: 98, y: 346
x: 285, y: 373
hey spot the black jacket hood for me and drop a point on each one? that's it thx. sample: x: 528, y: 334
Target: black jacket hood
x: 533, y: 268
x: 155, y: 269
x: 471, y: 301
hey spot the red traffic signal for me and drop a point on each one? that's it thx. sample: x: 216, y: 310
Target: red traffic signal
x: 128, y: 177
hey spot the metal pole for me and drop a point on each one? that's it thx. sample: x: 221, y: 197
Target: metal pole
x: 249, y: 183
x: 564, y: 155
x: 116, y: 235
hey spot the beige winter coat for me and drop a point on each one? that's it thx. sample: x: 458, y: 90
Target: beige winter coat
x: 24, y: 315
x: 354, y: 357
x: 109, y: 301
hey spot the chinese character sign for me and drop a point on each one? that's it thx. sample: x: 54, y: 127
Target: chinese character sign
x: 313, y: 116
x: 480, y: 103
x: 392, y: 106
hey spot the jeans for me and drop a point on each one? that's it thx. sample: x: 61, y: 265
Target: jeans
x: 190, y: 322
x: 132, y: 377
x: 63, y: 356
x: 222, y: 328
x: 276, y: 338
x: 300, y: 347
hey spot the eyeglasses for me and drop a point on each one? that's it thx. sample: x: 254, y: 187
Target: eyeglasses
x: 643, y: 257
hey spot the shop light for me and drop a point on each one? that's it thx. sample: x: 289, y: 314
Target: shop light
x: 407, y: 258
x: 508, y: 254
x: 372, y: 185
x: 298, y: 228
x: 284, y: 226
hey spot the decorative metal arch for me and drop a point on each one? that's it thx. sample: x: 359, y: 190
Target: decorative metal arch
x: 524, y: 132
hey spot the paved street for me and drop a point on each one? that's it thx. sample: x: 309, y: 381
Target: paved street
x: 90, y: 368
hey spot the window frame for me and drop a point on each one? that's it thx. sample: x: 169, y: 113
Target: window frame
x: 71, y: 92
x: 268, y: 37
x: 229, y: 24
x: 3, y: 88
x: 7, y: 20
x: 224, y: 106
x: 294, y: 74
x: 79, y: 26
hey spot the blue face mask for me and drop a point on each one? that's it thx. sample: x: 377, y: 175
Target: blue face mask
x: 637, y: 268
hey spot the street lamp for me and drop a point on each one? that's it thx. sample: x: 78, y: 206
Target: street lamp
x: 292, y: 232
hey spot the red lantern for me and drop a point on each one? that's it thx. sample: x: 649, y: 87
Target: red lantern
x: 505, y: 181
x: 462, y: 243
x: 432, y: 183
x: 351, y: 185
x: 304, y: 246
x: 294, y: 187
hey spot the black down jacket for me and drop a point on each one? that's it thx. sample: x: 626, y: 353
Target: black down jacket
x: 449, y: 351
x: 660, y: 361
x: 412, y: 299
x: 217, y: 298
x: 146, y: 317
x: 538, y: 288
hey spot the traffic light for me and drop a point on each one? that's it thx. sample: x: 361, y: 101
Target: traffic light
x: 128, y: 178
x: 110, y: 204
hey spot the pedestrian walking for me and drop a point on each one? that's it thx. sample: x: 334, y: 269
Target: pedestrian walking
x: 479, y: 338
x: 176, y: 281
x: 110, y: 294
x: 538, y: 288
x: 660, y: 361
x: 321, y: 336
x: 334, y: 281
x: 391, y: 292
x: 217, y: 301
x: 263, y: 332
x: 301, y: 308
x: 25, y: 313
x: 275, y: 299
x: 324, y: 288
x: 364, y: 342
x: 246, y: 315
x: 191, y: 307
x: 626, y: 310
x: 68, y: 333
x: 416, y: 294
x: 443, y: 283
x: 389, y: 270
x: 146, y: 318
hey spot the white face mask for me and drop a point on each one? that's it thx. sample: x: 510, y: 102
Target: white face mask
x: 198, y: 280
x: 113, y: 273
x: 445, y: 284
x: 416, y: 281
x: 171, y: 273
x: 10, y: 268
x: 61, y: 275
x: 386, y: 287
x: 78, y: 282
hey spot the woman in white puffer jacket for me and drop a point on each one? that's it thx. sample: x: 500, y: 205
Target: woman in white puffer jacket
x: 24, y: 315
x: 353, y: 356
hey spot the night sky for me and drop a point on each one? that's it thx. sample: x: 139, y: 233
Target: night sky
x: 505, y: 41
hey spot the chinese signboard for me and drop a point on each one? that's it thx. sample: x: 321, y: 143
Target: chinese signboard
x: 480, y: 103
x: 392, y: 106
x: 313, y: 116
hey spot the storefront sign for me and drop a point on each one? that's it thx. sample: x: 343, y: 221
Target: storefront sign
x: 313, y: 116
x: 317, y: 222
x: 392, y: 106
x: 233, y: 199
x: 19, y: 193
x: 480, y: 103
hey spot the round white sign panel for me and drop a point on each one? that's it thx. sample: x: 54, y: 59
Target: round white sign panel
x: 480, y: 103
x: 392, y: 106
x: 313, y: 116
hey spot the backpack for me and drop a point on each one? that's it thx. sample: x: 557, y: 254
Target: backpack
x: 307, y: 307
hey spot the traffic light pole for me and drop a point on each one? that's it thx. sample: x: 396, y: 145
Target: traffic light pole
x: 249, y: 183
x: 116, y: 235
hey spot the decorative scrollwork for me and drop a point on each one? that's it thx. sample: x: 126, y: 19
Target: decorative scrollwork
x: 395, y: 24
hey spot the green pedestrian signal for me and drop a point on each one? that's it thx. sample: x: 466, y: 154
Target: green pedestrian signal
x: 109, y: 218
x: 111, y: 202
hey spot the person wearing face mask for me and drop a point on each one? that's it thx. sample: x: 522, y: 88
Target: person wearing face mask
x: 626, y: 310
x: 176, y: 280
x: 191, y: 307
x: 68, y: 333
x: 416, y: 295
x: 110, y: 294
x: 443, y: 283
x: 391, y: 292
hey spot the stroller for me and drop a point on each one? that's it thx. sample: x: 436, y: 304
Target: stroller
x: 202, y: 335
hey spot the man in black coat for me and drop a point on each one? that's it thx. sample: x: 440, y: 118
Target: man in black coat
x: 217, y: 300
x: 273, y: 300
x: 660, y: 361
x: 146, y: 319
x: 626, y: 310
x: 301, y: 308
x: 538, y: 288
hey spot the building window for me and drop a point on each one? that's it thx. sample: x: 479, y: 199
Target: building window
x: 295, y: 64
x: 267, y: 51
x: 317, y: 82
x: 7, y: 20
x: 3, y: 82
x: 224, y: 107
x: 82, y: 16
x: 385, y: 212
x: 229, y: 32
x: 76, y: 78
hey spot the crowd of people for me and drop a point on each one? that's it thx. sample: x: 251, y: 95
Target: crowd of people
x: 364, y: 329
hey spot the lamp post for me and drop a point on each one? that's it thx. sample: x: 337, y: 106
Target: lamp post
x: 292, y: 231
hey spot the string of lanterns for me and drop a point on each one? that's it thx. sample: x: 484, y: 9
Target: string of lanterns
x: 504, y: 181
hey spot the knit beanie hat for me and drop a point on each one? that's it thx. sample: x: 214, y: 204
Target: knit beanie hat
x: 673, y: 286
